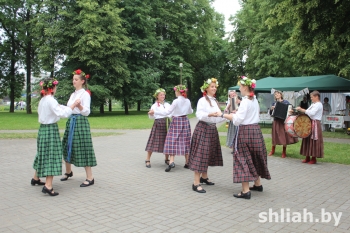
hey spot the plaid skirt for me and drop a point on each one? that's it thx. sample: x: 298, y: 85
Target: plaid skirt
x: 230, y: 134
x: 157, y: 137
x: 250, y: 159
x: 48, y: 160
x: 279, y: 134
x: 178, y: 139
x: 205, y: 148
x: 314, y: 148
x: 83, y: 154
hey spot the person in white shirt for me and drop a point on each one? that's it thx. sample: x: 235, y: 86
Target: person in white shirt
x: 205, y: 144
x: 77, y: 142
x: 250, y: 155
x: 312, y: 146
x: 158, y: 133
x: 178, y: 139
x: 48, y: 160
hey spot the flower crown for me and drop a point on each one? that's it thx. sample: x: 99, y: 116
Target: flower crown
x: 80, y: 72
x: 158, y: 91
x: 247, y: 82
x: 50, y: 83
x: 47, y: 86
x: 208, y: 82
x: 180, y: 88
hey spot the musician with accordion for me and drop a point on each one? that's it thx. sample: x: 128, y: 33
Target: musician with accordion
x: 279, y: 110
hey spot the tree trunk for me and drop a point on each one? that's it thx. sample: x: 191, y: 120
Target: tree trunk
x: 139, y: 105
x: 102, y: 108
x: 29, y: 69
x: 126, y: 108
x: 110, y: 105
x: 12, y: 77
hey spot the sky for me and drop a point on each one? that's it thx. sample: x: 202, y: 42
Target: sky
x: 227, y: 8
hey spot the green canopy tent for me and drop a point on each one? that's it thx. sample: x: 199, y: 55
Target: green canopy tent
x: 323, y: 83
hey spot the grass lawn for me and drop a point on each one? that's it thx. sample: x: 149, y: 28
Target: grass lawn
x: 108, y: 120
x: 333, y: 152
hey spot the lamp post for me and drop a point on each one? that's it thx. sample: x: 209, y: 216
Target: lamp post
x: 181, y: 65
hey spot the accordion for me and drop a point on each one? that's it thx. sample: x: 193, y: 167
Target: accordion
x: 281, y: 110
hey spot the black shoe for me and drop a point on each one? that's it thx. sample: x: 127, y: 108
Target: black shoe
x: 90, y: 182
x: 195, y: 188
x: 149, y: 163
x: 166, y: 161
x: 186, y: 166
x: 67, y: 176
x: 172, y: 165
x: 256, y: 188
x: 49, y: 191
x: 202, y: 180
x: 243, y: 195
x: 38, y: 182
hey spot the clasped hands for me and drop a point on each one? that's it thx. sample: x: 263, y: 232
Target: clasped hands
x: 77, y: 103
x: 215, y: 114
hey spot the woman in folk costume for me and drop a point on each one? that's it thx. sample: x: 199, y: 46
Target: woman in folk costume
x: 157, y: 137
x: 312, y: 146
x: 77, y: 142
x: 231, y: 127
x: 250, y: 156
x: 279, y: 134
x: 178, y: 138
x: 205, y: 144
x: 48, y: 160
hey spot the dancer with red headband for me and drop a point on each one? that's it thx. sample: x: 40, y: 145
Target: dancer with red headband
x: 77, y: 142
x: 205, y: 144
x: 48, y: 160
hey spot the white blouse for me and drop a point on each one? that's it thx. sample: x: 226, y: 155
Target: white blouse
x: 204, y: 108
x: 181, y: 106
x: 50, y: 111
x: 315, y: 111
x: 159, y: 111
x: 85, y: 101
x: 248, y: 112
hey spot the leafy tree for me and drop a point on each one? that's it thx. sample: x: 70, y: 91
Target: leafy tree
x: 259, y: 50
x: 320, y: 35
x: 10, y: 22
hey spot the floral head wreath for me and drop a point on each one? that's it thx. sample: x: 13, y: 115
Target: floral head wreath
x: 248, y: 82
x: 159, y: 90
x: 47, y: 86
x: 182, y: 89
x: 80, y: 72
x: 207, y: 84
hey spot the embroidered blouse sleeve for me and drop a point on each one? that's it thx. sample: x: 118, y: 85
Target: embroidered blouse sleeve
x: 203, y: 110
x: 60, y: 110
x: 85, y: 102
x: 240, y: 115
x: 189, y: 110
x: 313, y: 110
x: 170, y: 110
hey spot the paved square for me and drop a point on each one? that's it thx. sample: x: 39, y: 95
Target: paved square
x: 128, y: 197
